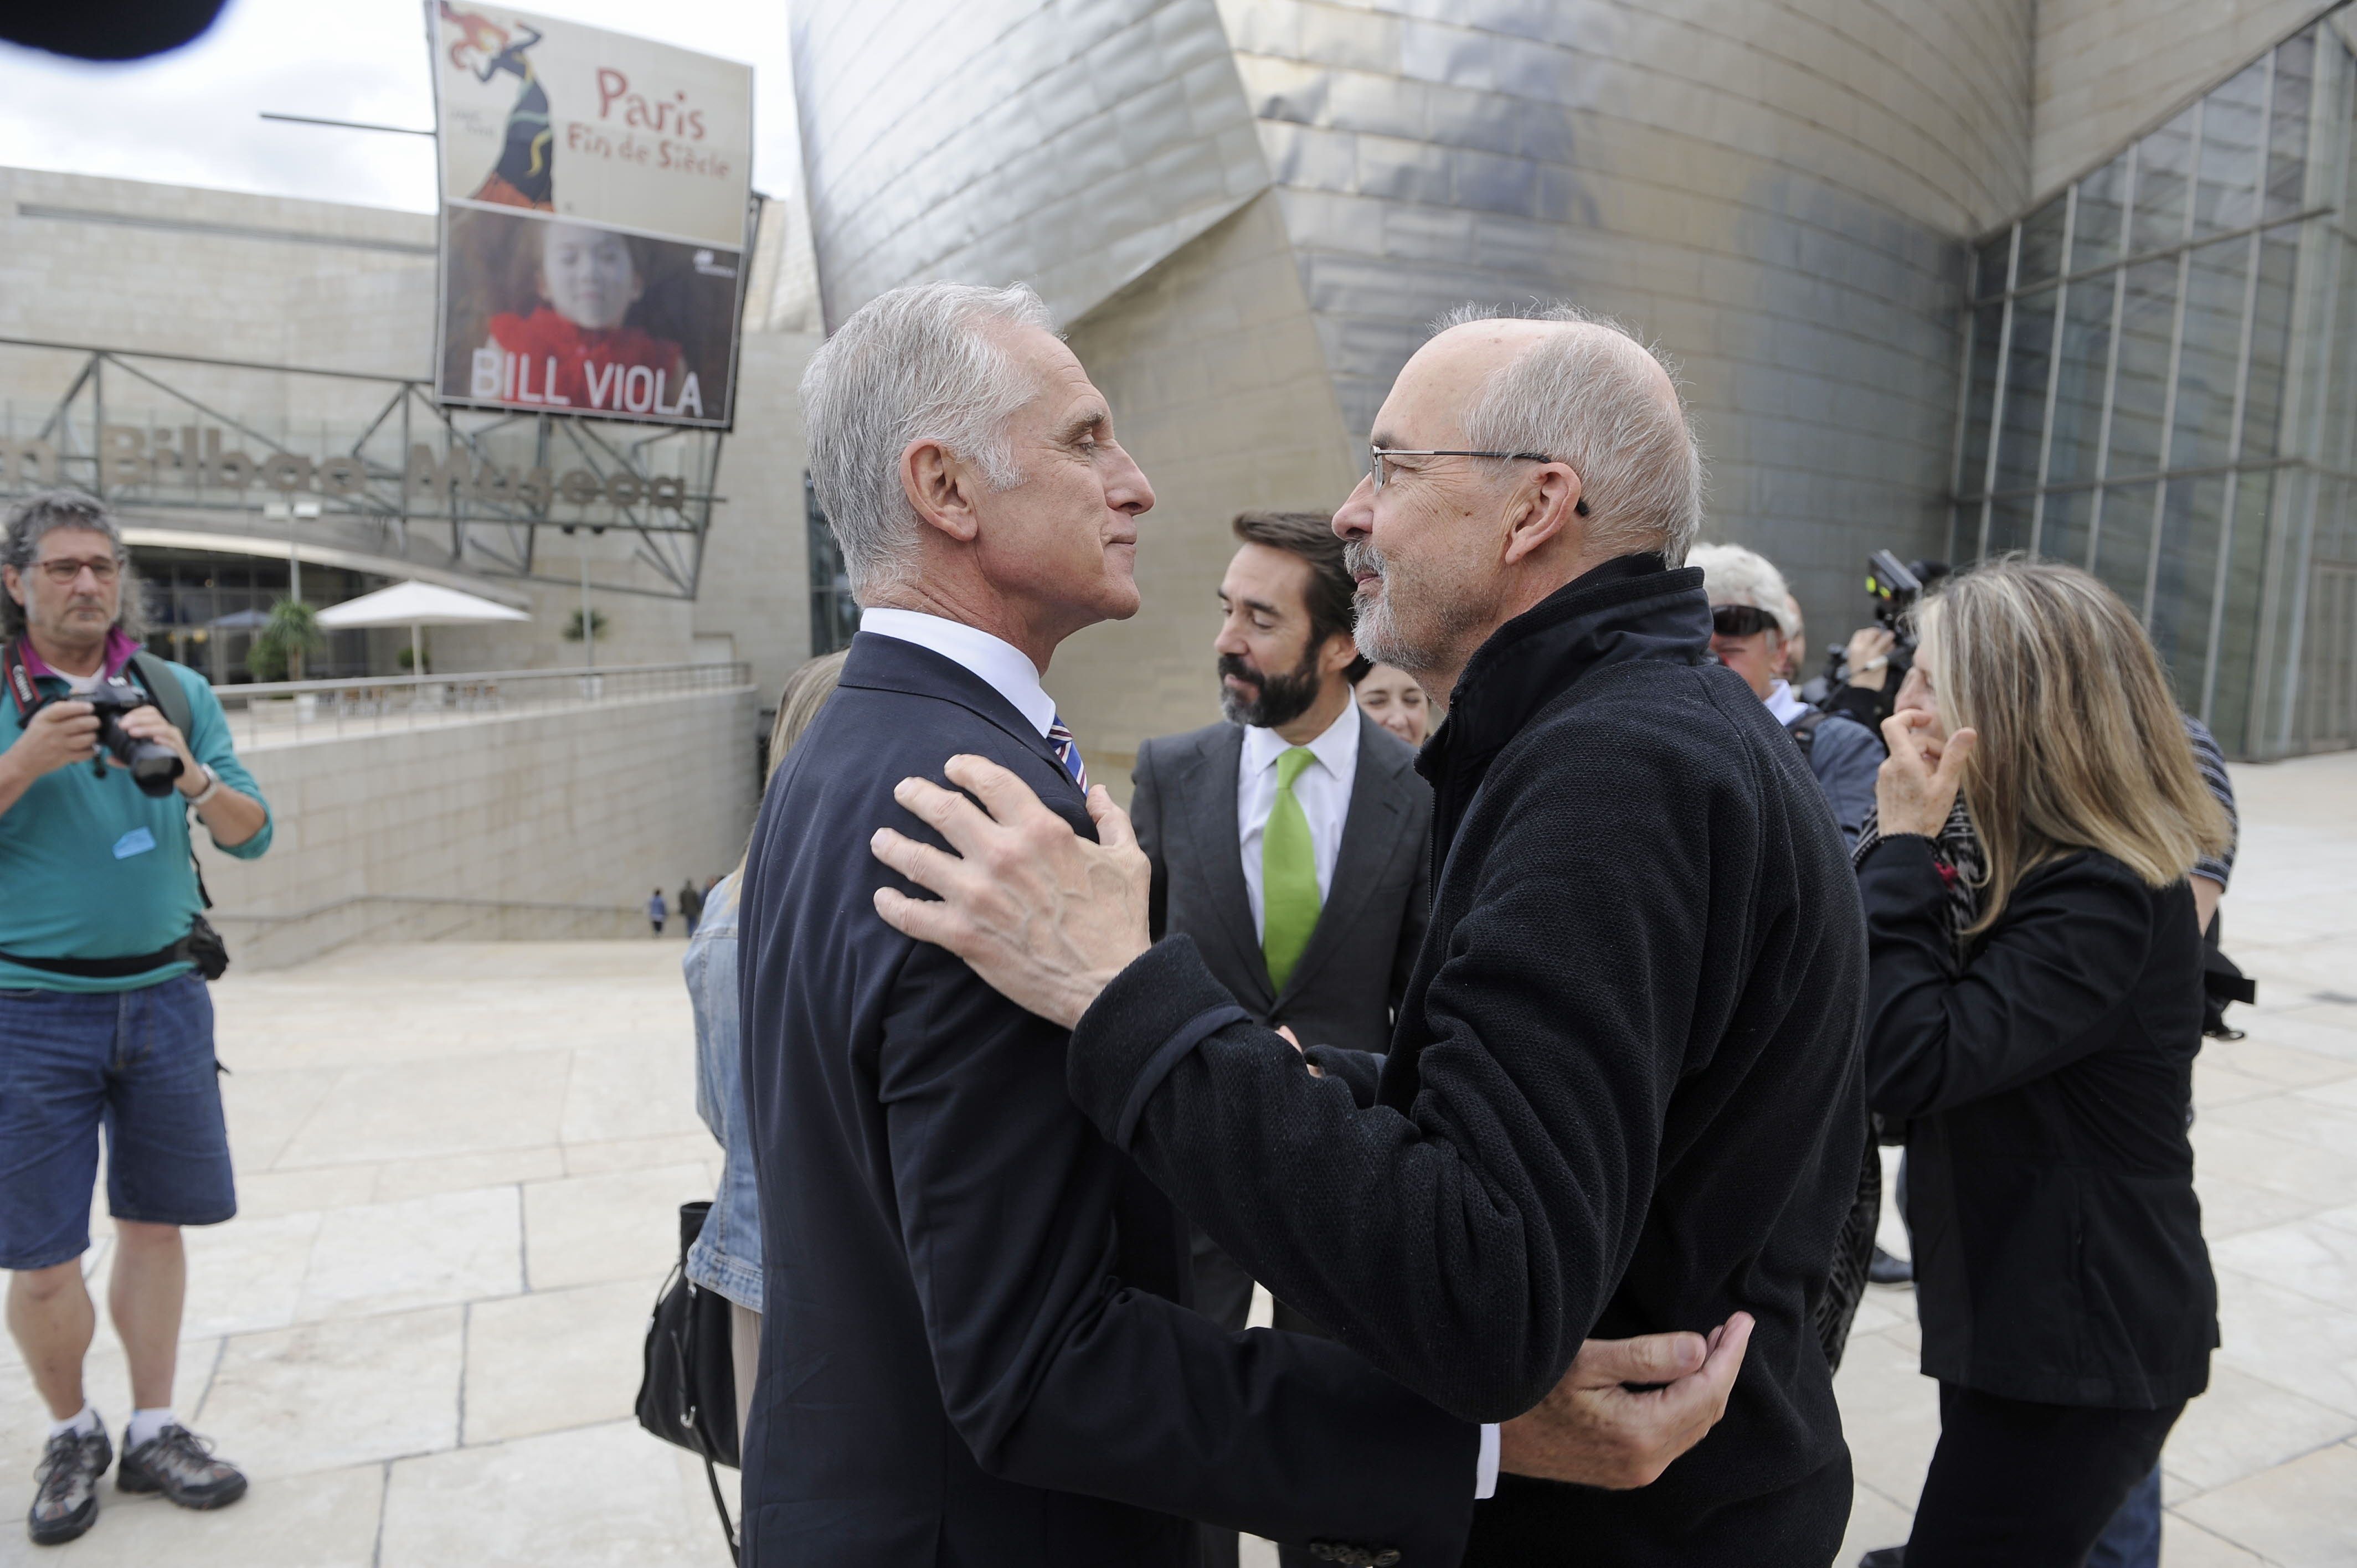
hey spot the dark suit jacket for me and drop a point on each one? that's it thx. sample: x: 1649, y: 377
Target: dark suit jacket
x: 1355, y: 968
x: 973, y: 1346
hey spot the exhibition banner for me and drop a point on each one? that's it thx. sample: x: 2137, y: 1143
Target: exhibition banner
x: 596, y: 206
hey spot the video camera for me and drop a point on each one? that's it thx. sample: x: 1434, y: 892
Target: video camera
x: 1896, y: 587
x: 1895, y: 590
x: 153, y: 765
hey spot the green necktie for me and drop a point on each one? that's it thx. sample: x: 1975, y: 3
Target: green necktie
x: 1289, y: 874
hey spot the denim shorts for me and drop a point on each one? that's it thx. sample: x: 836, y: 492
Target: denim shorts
x: 140, y: 1065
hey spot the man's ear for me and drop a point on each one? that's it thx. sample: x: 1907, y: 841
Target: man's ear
x: 940, y: 487
x: 1545, y: 508
x: 1340, y: 649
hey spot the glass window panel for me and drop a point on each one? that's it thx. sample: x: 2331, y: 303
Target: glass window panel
x: 2023, y: 420
x: 2079, y: 391
x: 1989, y: 269
x: 2233, y: 124
x: 2123, y: 540
x: 2287, y: 124
x: 2211, y: 356
x: 2147, y: 317
x: 2163, y: 162
x: 2008, y: 526
x: 2062, y: 527
x: 2332, y: 428
x: 2230, y: 692
x: 1963, y: 530
x: 1980, y: 395
x: 2041, y: 246
x: 2095, y: 232
x: 2270, y: 343
x: 2184, y: 578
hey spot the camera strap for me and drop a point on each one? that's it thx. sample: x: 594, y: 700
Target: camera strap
x: 21, y: 683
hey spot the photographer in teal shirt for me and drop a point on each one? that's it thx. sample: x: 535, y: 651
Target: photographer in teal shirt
x: 104, y: 1019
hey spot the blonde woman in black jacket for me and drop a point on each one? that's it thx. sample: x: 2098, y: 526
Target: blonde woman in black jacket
x: 2034, y: 1007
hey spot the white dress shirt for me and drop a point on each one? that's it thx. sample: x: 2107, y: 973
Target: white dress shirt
x: 1783, y: 704
x: 1009, y: 671
x: 1002, y: 666
x: 1323, y: 788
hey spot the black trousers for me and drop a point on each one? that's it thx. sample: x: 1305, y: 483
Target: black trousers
x: 2030, y: 1486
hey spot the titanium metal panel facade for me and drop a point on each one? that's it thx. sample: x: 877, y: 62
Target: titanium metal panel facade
x: 1072, y: 144
x: 1781, y: 197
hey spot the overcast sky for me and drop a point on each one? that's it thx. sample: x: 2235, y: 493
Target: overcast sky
x: 190, y: 117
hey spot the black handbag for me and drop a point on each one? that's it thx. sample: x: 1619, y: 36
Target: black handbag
x: 688, y: 1394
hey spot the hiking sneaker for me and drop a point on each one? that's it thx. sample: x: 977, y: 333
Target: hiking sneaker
x: 65, y: 1498
x: 180, y: 1464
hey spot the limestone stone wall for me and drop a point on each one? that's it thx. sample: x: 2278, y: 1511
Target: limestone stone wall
x: 1213, y: 368
x: 554, y: 823
x: 2107, y: 68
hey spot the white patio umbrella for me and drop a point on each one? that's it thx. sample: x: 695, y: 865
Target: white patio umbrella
x: 415, y: 606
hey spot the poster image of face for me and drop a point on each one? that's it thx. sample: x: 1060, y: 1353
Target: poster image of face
x: 548, y: 314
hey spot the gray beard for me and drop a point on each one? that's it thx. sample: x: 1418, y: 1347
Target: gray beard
x: 1377, y: 629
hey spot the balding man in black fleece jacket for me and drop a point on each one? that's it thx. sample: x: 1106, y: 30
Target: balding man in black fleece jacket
x: 1624, y: 1092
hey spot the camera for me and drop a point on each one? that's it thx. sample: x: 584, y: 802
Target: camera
x: 1896, y: 587
x: 153, y: 765
x: 1895, y: 590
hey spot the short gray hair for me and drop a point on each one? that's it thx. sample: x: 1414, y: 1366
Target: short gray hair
x: 1574, y: 398
x: 36, y: 517
x: 914, y: 363
x: 1734, y: 575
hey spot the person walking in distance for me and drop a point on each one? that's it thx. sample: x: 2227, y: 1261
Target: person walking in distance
x: 104, y: 1016
x: 691, y: 905
x: 656, y: 912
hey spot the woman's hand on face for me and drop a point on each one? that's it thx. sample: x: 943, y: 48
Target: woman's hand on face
x: 1917, y: 786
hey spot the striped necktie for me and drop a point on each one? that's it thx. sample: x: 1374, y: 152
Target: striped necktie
x: 1067, y: 752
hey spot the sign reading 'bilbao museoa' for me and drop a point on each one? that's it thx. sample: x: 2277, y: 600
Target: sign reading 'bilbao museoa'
x: 194, y: 461
x: 595, y: 202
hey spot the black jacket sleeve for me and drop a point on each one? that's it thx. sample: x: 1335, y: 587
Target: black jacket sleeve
x: 2068, y: 948
x: 1467, y: 1243
x: 1057, y: 1375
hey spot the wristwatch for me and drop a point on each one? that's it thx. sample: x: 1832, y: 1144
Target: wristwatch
x: 213, y: 783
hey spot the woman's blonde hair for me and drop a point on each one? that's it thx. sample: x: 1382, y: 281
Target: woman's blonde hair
x: 799, y: 700
x: 2082, y: 746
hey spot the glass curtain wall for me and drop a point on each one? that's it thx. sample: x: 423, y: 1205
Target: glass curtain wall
x: 2158, y: 386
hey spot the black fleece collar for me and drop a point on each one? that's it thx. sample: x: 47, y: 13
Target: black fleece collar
x: 1631, y: 607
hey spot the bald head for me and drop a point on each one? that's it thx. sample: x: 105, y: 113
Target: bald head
x: 1583, y: 392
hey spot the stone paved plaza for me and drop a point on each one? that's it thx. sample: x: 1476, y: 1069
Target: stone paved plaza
x: 459, y: 1166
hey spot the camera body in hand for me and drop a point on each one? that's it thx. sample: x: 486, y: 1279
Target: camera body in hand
x: 153, y: 765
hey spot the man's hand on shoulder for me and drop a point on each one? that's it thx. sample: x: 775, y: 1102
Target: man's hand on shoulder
x: 1045, y: 917
x: 1626, y: 1408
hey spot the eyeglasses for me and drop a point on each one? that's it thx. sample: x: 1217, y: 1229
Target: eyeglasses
x: 63, y: 573
x: 1742, y: 621
x: 1379, y: 463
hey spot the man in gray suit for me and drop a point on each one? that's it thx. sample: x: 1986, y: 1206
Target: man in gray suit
x: 1290, y: 841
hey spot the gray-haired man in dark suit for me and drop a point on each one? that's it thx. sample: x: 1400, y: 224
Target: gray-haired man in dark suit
x: 1288, y: 840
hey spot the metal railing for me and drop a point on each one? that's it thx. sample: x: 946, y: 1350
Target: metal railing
x: 277, y: 711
